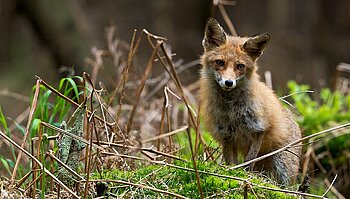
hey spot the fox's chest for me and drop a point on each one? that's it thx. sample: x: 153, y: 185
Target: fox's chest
x: 237, y: 118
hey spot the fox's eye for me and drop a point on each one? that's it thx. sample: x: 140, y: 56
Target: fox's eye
x: 220, y: 63
x: 240, y: 66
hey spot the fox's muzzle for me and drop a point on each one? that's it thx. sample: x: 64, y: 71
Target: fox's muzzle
x: 226, y: 83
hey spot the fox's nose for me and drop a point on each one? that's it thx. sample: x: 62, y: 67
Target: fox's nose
x: 228, y: 83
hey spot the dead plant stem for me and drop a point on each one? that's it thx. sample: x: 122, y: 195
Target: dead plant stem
x: 194, y: 162
x: 124, y: 78
x: 30, y: 118
x: 181, y: 129
x: 227, y: 19
x: 138, y: 95
x: 161, y: 123
x: 142, y: 149
x: 89, y: 151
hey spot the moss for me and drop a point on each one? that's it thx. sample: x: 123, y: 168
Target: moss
x: 184, y: 182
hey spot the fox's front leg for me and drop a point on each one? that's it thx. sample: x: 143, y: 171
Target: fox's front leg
x: 229, y: 152
x: 255, y: 147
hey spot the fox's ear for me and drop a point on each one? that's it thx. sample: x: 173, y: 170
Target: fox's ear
x: 254, y: 46
x: 214, y: 35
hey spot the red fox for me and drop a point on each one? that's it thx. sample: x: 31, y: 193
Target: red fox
x: 241, y: 112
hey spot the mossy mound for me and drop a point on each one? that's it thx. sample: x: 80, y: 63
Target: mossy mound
x: 182, y: 182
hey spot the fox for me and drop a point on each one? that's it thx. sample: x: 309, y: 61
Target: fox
x: 240, y: 111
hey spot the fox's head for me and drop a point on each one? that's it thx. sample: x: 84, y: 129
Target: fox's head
x: 228, y: 59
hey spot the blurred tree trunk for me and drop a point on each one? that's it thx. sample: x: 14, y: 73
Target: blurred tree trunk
x: 56, y: 30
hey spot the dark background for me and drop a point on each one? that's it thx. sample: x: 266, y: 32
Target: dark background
x: 309, y: 38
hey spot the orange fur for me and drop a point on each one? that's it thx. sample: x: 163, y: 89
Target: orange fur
x: 241, y: 112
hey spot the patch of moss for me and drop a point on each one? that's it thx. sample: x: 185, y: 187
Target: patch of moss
x: 184, y: 182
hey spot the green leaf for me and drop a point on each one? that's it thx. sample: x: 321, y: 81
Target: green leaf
x: 5, y: 164
x: 35, y: 127
x: 3, y: 119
